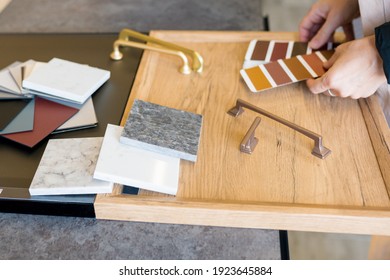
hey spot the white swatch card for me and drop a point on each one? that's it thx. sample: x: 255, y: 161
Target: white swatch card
x: 21, y: 71
x: 85, y: 118
x: 7, y: 82
x: 66, y: 80
x: 135, y: 167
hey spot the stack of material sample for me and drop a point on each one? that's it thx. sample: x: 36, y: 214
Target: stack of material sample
x: 146, y: 153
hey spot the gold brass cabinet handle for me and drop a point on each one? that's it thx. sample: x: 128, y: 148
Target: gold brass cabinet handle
x: 319, y: 150
x: 125, y: 34
x: 197, y: 60
x: 117, y: 55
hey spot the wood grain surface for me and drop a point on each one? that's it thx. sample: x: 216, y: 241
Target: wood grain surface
x: 281, y: 185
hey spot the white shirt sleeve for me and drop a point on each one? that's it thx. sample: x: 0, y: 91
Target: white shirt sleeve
x: 375, y: 13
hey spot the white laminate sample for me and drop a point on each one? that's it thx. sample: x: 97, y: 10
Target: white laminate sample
x: 135, y: 167
x: 66, y: 80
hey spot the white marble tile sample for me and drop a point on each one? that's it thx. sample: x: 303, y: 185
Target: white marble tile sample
x: 163, y: 130
x: 67, y: 167
x: 135, y: 167
x: 67, y: 80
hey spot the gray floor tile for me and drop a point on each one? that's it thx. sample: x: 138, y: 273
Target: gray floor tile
x: 47, y: 237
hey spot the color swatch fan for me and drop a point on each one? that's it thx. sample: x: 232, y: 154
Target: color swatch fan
x: 47, y: 117
x: 285, y: 71
x: 262, y: 51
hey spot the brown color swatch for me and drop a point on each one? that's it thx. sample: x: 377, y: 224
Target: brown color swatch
x: 277, y: 73
x: 327, y: 54
x: 328, y: 46
x: 315, y: 63
x: 297, y: 69
x: 279, y: 51
x: 260, y: 50
x: 299, y: 48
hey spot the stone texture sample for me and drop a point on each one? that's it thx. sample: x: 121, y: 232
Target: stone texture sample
x: 163, y: 130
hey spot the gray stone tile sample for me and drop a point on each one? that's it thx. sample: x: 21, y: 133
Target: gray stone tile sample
x: 163, y: 130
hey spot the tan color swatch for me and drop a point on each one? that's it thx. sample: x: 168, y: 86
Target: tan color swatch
x: 259, y: 80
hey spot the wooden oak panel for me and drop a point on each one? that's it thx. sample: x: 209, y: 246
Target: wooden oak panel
x: 281, y: 172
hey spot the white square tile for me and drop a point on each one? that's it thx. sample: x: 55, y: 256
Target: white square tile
x: 123, y: 164
x: 66, y: 80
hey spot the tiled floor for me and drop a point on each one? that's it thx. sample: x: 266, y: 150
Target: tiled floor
x: 328, y: 246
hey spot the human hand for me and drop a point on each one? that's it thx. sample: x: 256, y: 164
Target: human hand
x: 324, y: 17
x: 355, y: 70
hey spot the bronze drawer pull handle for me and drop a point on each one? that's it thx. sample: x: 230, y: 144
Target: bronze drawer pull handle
x: 319, y: 150
x: 249, y: 141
